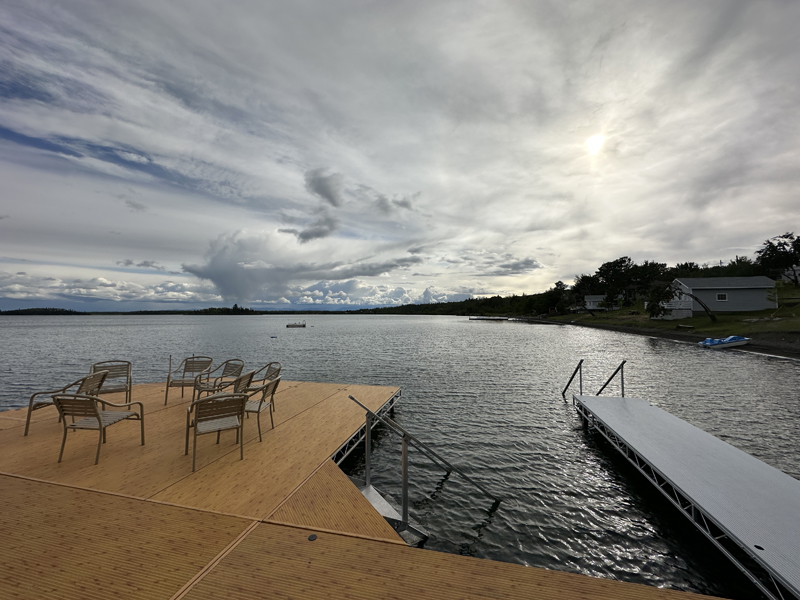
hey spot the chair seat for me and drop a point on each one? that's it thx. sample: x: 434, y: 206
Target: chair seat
x: 109, y: 417
x: 112, y: 388
x: 253, y: 406
x: 181, y: 382
x: 217, y: 425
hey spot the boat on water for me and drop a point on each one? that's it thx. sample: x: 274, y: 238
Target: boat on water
x: 728, y: 342
x: 299, y: 324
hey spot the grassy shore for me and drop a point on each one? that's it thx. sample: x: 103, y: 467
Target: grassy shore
x: 775, y: 331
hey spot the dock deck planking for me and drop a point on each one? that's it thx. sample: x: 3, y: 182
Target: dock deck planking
x: 755, y: 504
x: 282, y: 562
x: 327, y: 501
x: 60, y: 542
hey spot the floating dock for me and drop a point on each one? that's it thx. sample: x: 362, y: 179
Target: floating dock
x: 748, y: 509
x: 285, y: 522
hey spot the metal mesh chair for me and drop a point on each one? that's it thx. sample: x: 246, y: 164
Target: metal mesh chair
x: 215, y: 414
x: 82, y: 405
x: 119, y: 378
x: 186, y: 373
x: 90, y: 385
x: 213, y: 381
x: 263, y: 376
x: 267, y: 393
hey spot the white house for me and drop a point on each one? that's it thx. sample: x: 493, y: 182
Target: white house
x: 722, y: 294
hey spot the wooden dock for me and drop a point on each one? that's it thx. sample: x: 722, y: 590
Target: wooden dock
x: 747, y: 508
x: 284, y: 522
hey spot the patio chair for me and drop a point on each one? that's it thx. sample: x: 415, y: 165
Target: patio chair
x: 210, y: 383
x: 90, y: 384
x: 263, y: 376
x: 120, y: 372
x: 216, y: 413
x: 86, y: 406
x: 186, y: 373
x: 267, y: 393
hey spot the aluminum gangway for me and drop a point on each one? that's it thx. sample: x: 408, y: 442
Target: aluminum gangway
x: 745, y: 507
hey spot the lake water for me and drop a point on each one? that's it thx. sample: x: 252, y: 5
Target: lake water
x: 485, y: 395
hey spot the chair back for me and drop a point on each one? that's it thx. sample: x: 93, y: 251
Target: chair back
x: 117, y: 369
x: 268, y: 391
x: 196, y: 364
x: 243, y: 382
x: 91, y: 384
x: 219, y: 406
x: 232, y: 368
x: 76, y: 405
x: 268, y: 372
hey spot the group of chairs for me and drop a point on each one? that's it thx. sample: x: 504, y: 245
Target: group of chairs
x: 230, y: 397
x: 107, y: 377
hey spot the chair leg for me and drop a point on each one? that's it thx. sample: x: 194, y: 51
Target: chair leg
x: 63, y: 441
x: 258, y: 420
x: 271, y: 420
x: 240, y: 435
x: 166, y: 392
x: 186, y: 450
x: 141, y: 418
x: 100, y: 441
x: 218, y: 436
x: 194, y: 448
x: 28, y: 420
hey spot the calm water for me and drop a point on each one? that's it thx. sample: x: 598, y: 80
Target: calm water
x: 487, y: 396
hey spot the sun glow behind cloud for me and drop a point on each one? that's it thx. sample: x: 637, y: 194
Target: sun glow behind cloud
x: 595, y: 143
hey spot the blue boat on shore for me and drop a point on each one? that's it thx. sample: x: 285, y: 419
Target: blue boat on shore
x: 728, y: 342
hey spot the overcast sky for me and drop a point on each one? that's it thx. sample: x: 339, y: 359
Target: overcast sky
x: 287, y: 154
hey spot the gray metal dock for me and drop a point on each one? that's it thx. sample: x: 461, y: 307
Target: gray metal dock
x: 748, y: 509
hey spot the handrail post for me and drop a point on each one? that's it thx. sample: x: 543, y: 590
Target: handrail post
x: 578, y: 371
x: 622, y: 377
x: 367, y: 450
x: 404, y: 522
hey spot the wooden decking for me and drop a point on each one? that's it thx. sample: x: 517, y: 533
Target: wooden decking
x: 141, y: 525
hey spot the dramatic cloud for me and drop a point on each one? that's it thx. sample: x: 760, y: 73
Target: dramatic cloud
x: 415, y: 151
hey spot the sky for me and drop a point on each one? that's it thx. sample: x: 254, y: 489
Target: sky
x: 328, y: 154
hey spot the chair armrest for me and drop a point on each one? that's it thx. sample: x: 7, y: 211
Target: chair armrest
x: 59, y: 390
x: 107, y: 403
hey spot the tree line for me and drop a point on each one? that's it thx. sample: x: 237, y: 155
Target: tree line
x: 622, y: 282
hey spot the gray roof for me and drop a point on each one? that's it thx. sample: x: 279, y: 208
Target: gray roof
x: 720, y: 283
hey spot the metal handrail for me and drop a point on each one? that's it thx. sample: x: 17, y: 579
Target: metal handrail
x: 427, y: 451
x: 619, y: 370
x: 578, y: 369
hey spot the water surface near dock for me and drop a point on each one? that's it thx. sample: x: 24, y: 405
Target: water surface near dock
x: 487, y: 396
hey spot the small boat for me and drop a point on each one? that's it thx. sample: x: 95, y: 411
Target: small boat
x: 728, y: 342
x: 300, y: 324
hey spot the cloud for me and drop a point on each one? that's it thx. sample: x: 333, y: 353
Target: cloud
x: 326, y: 185
x: 257, y: 267
x: 135, y: 206
x: 145, y: 264
x: 321, y: 228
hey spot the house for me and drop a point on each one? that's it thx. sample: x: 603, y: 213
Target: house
x: 722, y: 294
x: 594, y: 302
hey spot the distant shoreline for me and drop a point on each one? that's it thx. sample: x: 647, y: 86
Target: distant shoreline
x: 782, y: 344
